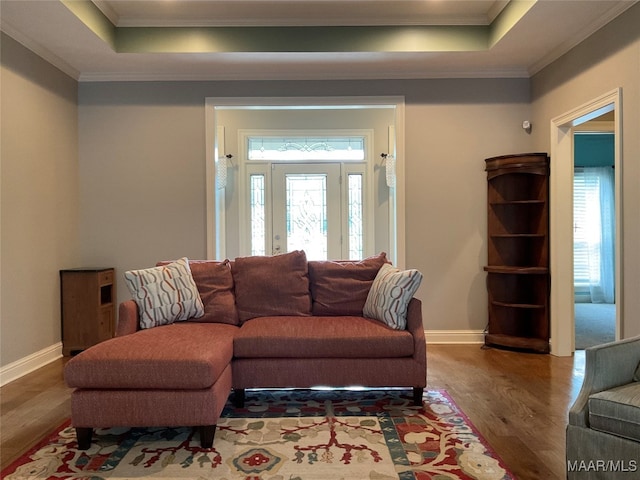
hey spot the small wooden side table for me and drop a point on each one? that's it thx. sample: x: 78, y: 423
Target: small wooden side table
x: 88, y: 300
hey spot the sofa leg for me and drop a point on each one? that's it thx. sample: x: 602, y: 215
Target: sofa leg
x: 207, y: 432
x: 417, y: 396
x: 238, y: 397
x: 83, y: 436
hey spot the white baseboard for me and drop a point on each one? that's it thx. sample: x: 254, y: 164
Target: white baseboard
x: 454, y: 336
x: 28, y: 364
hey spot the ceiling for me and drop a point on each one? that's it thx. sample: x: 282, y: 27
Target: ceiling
x: 108, y: 40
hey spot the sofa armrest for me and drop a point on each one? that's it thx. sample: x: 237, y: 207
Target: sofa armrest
x: 127, y: 318
x: 416, y: 328
x: 606, y: 366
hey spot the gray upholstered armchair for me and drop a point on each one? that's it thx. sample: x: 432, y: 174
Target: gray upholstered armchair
x: 603, y: 434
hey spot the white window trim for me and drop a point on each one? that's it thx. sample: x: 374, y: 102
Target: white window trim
x: 215, y: 249
x: 248, y: 167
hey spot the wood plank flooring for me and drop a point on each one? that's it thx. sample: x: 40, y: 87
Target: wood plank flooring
x: 31, y: 408
x: 519, y: 402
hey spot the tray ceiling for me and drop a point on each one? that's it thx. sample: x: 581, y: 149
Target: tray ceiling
x: 105, y: 40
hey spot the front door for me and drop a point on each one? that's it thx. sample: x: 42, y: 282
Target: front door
x: 306, y: 213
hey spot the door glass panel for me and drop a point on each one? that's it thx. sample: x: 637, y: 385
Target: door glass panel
x: 306, y: 210
x: 306, y: 214
x: 258, y: 219
x: 355, y: 220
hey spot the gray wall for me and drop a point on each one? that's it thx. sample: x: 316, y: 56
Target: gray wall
x: 142, y: 174
x: 39, y: 205
x: 122, y: 183
x: 607, y: 60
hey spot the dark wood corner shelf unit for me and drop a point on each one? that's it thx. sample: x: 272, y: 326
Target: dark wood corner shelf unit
x: 88, y: 301
x: 518, y: 279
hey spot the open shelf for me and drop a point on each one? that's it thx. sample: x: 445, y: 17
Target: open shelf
x: 516, y: 270
x: 518, y: 252
x: 517, y: 202
x: 519, y: 343
x: 518, y: 305
x: 105, y: 294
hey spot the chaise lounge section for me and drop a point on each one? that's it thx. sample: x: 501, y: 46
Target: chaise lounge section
x: 265, y: 322
x: 177, y: 375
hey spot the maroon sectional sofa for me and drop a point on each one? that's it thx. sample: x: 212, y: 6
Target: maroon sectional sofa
x: 280, y: 321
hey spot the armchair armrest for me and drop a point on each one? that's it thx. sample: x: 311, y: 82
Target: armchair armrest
x: 127, y: 318
x: 606, y: 366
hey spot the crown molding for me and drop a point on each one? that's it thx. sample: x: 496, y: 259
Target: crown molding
x: 107, y: 11
x: 39, y: 50
x: 496, y: 9
x: 298, y: 76
x: 560, y: 50
x: 477, y: 20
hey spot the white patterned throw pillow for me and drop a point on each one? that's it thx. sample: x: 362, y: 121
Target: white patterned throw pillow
x: 390, y: 295
x: 165, y: 294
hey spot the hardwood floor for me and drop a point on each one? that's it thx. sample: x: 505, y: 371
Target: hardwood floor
x: 518, y: 401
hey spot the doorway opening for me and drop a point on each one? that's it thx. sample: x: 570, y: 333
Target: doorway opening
x: 230, y: 123
x: 594, y: 232
x: 563, y: 131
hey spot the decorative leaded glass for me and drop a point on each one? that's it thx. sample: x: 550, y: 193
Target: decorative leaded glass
x: 306, y: 148
x: 258, y: 220
x: 306, y: 197
x: 355, y: 217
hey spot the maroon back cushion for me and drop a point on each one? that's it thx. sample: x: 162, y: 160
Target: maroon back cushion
x: 341, y: 287
x: 215, y: 285
x: 271, y: 286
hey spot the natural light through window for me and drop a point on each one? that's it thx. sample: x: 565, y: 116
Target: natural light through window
x: 355, y: 217
x: 258, y: 218
x: 594, y: 232
x: 307, y: 214
x: 303, y: 148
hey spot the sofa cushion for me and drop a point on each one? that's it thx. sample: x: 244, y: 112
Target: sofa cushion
x: 267, y: 286
x: 341, y: 287
x: 164, y: 294
x: 390, y: 294
x: 215, y: 284
x: 320, y: 337
x: 617, y: 411
x: 178, y: 356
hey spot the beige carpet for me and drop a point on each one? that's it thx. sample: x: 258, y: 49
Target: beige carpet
x: 595, y: 324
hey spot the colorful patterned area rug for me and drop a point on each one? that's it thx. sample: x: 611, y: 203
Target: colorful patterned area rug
x: 286, y: 435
